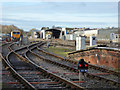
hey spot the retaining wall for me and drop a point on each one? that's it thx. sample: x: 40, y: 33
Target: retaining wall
x: 98, y: 56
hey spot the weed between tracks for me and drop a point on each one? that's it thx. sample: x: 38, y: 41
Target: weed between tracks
x: 60, y: 51
x: 117, y: 69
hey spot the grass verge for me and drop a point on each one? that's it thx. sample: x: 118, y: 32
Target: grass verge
x: 60, y: 51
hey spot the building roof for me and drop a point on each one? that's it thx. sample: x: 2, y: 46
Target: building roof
x: 35, y: 30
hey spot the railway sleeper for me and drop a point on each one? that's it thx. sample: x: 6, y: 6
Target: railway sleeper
x: 90, y: 76
x: 47, y: 76
x: 52, y: 86
x: 63, y: 84
x: 118, y: 85
x: 68, y: 86
x: 45, y: 80
x: 56, y: 80
x: 112, y: 83
x: 51, y: 77
x: 60, y: 82
x: 71, y: 69
x: 98, y: 78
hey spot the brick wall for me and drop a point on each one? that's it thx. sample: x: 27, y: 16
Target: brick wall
x: 106, y: 57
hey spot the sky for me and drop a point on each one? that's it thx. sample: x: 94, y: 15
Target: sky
x: 28, y: 15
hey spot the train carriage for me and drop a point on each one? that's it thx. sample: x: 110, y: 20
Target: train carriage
x: 15, y: 34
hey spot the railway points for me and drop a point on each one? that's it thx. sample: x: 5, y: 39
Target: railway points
x: 68, y: 45
x: 32, y: 55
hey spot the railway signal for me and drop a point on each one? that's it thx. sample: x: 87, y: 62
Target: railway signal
x: 82, y: 65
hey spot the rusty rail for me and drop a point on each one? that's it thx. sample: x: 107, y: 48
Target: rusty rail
x: 47, y: 73
x: 52, y: 75
x: 74, y: 69
x: 75, y: 62
x: 18, y: 76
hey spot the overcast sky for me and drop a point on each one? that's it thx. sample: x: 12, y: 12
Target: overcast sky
x: 28, y: 15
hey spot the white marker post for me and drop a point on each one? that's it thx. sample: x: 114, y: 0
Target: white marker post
x: 112, y: 36
x: 80, y: 42
x: 92, y: 40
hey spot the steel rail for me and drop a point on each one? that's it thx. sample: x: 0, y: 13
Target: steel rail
x: 14, y: 73
x: 53, y: 76
x: 75, y: 62
x: 18, y: 76
x: 74, y: 69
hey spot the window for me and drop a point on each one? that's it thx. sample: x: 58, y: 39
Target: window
x: 14, y: 32
x: 17, y: 32
x: 62, y: 32
x: 93, y: 38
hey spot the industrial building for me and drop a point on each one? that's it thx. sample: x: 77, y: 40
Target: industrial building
x: 50, y: 33
x: 72, y: 33
x: 105, y: 33
x: 35, y: 34
x: 101, y: 34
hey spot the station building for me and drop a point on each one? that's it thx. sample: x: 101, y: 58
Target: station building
x: 50, y: 33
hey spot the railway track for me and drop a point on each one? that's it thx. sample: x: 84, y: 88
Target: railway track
x: 110, y: 77
x: 5, y: 49
x: 75, y: 62
x: 7, y: 78
x: 68, y: 70
x: 69, y: 43
x: 41, y: 78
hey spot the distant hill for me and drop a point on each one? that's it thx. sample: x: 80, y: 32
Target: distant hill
x: 6, y: 29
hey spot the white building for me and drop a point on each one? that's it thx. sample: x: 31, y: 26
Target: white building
x: 42, y: 34
x: 116, y: 38
x: 101, y: 34
x: 35, y: 34
x: 105, y: 33
x: 90, y: 32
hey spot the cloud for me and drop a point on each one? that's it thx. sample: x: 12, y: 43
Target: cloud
x: 59, y: 0
x: 39, y: 24
x: 63, y: 17
x: 10, y: 22
x: 62, y: 7
x: 27, y: 15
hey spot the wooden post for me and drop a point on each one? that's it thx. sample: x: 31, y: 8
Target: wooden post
x: 80, y: 76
